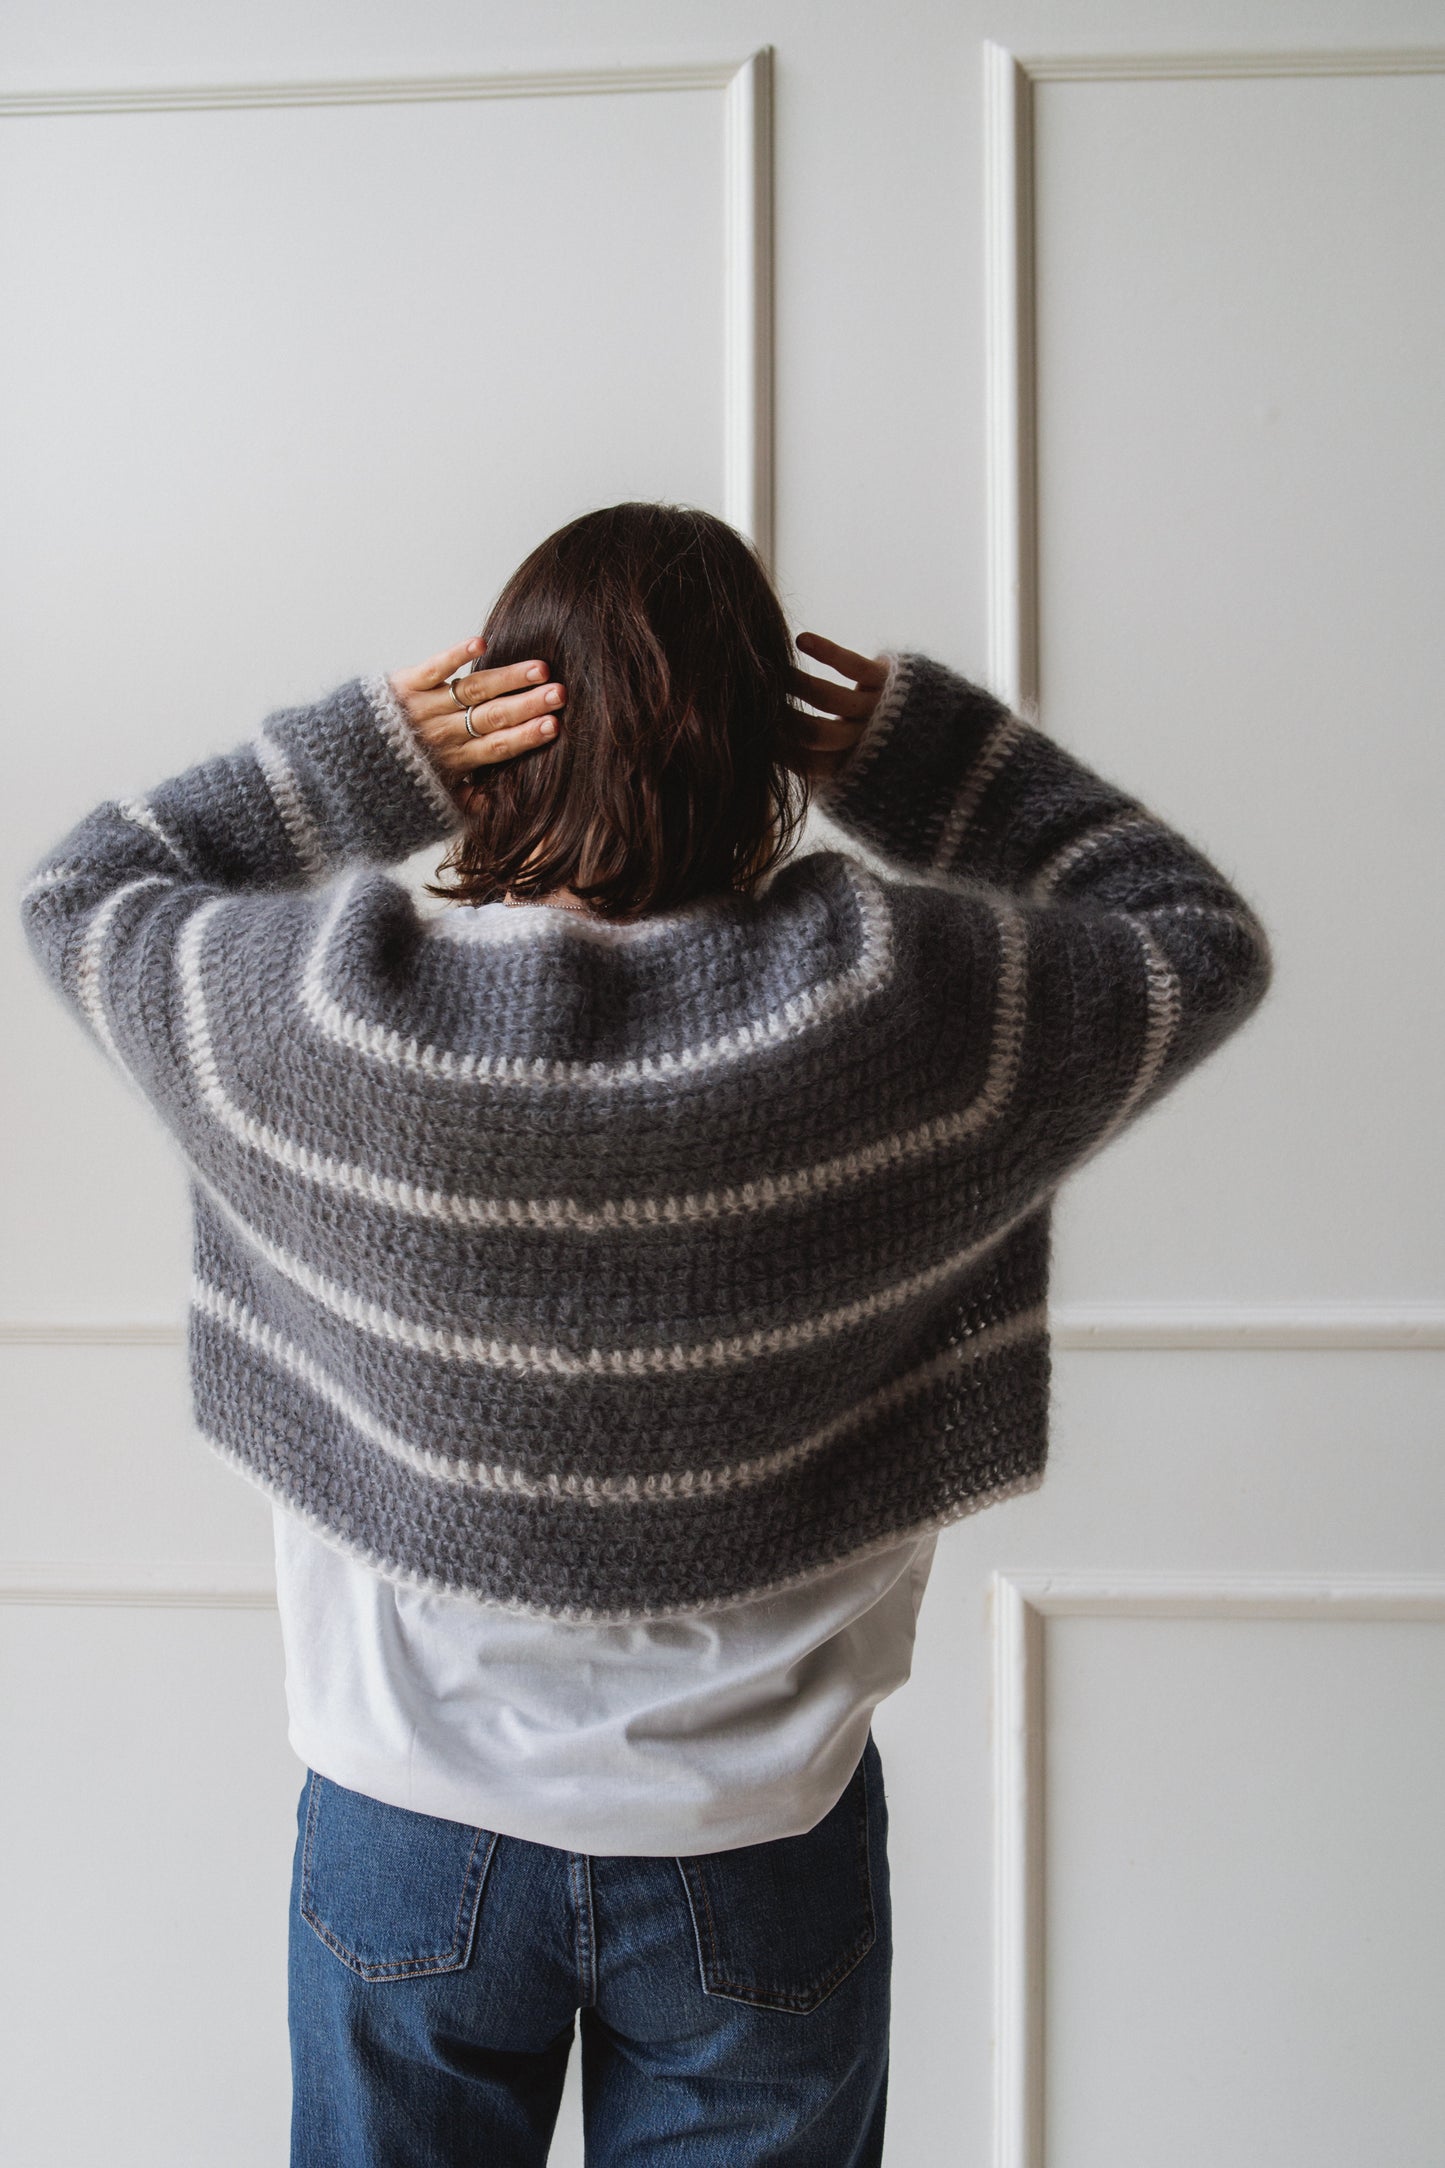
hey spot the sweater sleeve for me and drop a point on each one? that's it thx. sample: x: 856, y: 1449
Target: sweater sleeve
x: 1133, y: 955
x: 343, y: 779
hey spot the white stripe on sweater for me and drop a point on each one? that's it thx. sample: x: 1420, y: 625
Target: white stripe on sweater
x: 614, y: 1213
x: 648, y: 1359
x: 803, y: 1012
x: 397, y: 730
x: 52, y: 876
x: 623, y: 1490
x: 304, y: 835
x: 1165, y: 1006
x: 140, y: 815
x: 90, y: 961
x: 999, y: 746
x: 1052, y: 871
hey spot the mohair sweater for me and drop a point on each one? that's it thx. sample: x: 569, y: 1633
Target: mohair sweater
x: 611, y: 1271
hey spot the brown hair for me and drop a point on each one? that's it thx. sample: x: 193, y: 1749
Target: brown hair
x: 678, y: 770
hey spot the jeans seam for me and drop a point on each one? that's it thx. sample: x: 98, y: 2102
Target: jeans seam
x: 580, y: 1873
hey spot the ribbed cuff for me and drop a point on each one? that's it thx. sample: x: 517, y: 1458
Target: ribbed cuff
x: 408, y: 748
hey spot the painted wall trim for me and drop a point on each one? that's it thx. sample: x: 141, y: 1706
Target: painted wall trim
x: 1010, y: 377
x: 1111, y: 1327
x: 1220, y: 67
x: 371, y: 90
x: 748, y: 340
x: 1020, y: 1600
x: 150, y: 1585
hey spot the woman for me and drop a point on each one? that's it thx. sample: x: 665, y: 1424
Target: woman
x: 616, y: 1275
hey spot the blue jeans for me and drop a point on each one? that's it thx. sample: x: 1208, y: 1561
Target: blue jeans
x: 735, y: 2005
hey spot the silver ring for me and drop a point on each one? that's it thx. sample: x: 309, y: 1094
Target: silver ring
x: 467, y: 719
x: 452, y: 689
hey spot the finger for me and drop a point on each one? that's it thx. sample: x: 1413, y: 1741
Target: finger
x: 430, y: 706
x: 451, y: 658
x: 480, y: 685
x: 846, y: 660
x: 533, y: 712
x: 834, y: 699
x: 863, y: 669
x: 504, y: 710
x: 500, y: 745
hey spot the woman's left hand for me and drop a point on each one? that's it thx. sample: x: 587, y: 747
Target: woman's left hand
x: 511, y: 710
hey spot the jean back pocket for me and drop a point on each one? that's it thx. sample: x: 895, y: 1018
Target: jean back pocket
x: 393, y: 1894
x: 780, y: 1924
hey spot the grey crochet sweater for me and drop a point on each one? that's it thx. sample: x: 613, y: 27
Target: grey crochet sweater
x: 613, y: 1272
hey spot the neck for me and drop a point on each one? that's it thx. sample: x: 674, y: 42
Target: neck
x: 561, y: 899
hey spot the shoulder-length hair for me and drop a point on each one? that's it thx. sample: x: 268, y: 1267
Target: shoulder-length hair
x: 678, y: 769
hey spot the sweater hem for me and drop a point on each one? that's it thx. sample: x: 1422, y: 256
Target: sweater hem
x: 587, y: 1615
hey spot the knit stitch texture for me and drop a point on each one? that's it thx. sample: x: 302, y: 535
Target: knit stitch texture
x: 611, y: 1272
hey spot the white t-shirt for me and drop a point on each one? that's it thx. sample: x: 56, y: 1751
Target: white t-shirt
x: 696, y: 1734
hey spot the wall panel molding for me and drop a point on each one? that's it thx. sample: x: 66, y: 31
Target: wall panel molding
x: 1105, y: 1327
x: 748, y: 398
x: 1011, y: 360
x: 372, y: 90
x: 1010, y: 379
x: 91, y: 1332
x: 748, y: 201
x: 1021, y: 1605
x: 1296, y: 1327
x: 1184, y: 67
x: 163, y: 1584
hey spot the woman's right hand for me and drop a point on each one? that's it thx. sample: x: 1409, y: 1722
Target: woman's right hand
x: 510, y: 710
x: 846, y: 709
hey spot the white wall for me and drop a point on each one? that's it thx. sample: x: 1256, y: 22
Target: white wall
x: 291, y: 386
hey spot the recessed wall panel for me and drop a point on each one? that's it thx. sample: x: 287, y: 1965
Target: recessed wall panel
x: 1241, y: 494
x: 286, y: 395
x: 1244, y: 1905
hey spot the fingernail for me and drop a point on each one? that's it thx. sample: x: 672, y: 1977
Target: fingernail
x: 538, y: 670
x: 549, y: 724
x: 555, y: 695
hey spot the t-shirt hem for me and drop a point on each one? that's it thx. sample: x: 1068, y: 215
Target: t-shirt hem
x: 791, y: 1811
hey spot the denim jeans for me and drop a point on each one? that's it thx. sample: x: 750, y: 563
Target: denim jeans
x: 734, y: 2005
